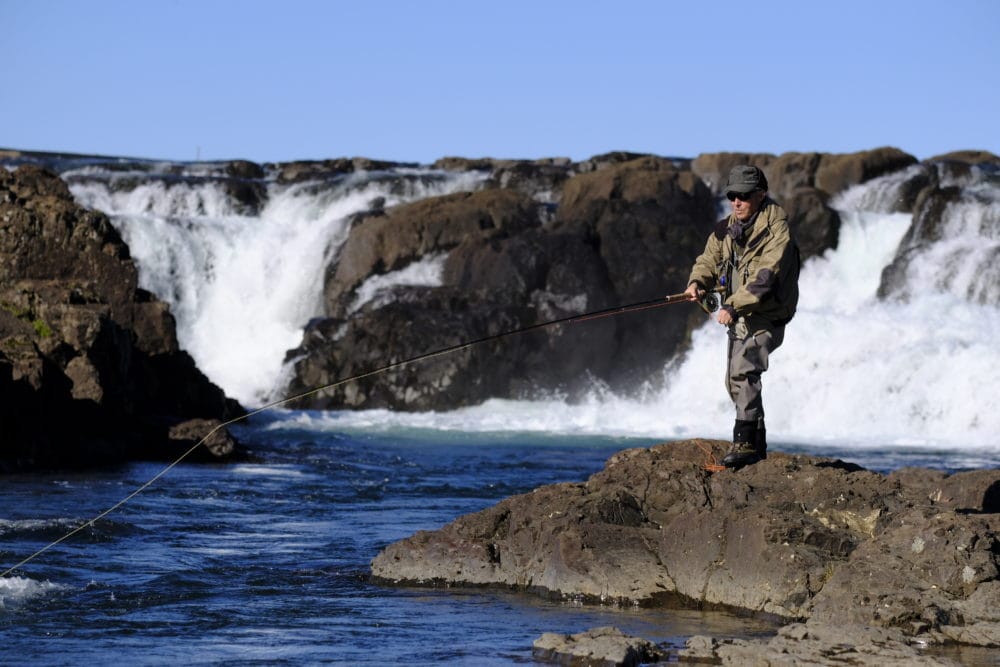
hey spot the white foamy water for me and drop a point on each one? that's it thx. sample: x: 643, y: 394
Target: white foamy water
x: 427, y: 272
x: 242, y: 288
x: 853, y: 371
x: 17, y: 590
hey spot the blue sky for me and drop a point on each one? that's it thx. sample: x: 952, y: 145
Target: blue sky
x: 422, y: 79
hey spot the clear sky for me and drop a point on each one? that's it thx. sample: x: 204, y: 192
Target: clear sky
x: 415, y: 80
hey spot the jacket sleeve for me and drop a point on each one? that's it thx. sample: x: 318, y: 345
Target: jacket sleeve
x: 705, y: 271
x: 774, y: 258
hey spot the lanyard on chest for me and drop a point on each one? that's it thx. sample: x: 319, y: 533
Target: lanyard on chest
x: 730, y: 267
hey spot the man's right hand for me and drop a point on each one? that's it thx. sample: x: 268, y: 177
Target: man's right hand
x: 694, y: 292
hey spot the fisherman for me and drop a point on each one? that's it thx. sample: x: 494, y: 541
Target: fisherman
x: 752, y: 259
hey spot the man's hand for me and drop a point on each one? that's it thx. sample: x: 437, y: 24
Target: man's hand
x: 694, y: 292
x: 726, y: 316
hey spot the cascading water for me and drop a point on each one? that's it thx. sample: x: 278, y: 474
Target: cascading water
x: 243, y: 286
x: 859, y: 370
x: 855, y: 369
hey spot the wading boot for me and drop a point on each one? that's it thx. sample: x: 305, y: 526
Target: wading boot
x: 748, y: 447
x: 761, y: 439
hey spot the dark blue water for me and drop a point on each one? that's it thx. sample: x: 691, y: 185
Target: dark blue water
x: 268, y: 562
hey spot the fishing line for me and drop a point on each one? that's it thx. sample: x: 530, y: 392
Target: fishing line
x: 708, y: 304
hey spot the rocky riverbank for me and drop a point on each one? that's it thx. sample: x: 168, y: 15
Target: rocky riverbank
x: 90, y: 369
x: 818, y: 542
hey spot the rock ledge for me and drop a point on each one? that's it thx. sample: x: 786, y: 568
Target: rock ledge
x: 797, y: 537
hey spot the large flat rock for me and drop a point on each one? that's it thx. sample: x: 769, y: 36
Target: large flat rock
x: 796, y: 537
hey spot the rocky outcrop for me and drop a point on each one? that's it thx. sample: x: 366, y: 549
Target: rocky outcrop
x: 795, y: 537
x: 598, y: 647
x: 791, y: 646
x: 90, y: 368
x: 623, y: 233
x: 971, y: 157
x: 814, y: 644
x: 542, y: 240
x: 386, y: 242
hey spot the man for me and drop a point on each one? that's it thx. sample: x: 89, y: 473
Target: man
x: 753, y: 260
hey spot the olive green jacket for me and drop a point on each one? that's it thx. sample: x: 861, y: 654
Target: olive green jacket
x: 767, y: 272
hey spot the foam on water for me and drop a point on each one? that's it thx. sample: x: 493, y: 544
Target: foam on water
x: 426, y: 272
x: 17, y: 590
x: 854, y: 370
x: 243, y: 287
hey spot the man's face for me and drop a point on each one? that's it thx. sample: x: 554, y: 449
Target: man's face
x: 745, y: 205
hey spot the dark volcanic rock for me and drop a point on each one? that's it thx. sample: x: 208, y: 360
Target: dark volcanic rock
x: 929, y: 572
x: 540, y: 179
x: 624, y: 233
x: 649, y: 221
x: 795, y: 537
x: 837, y: 172
x: 89, y: 364
x: 388, y: 242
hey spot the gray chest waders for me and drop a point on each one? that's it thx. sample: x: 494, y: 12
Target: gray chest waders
x: 747, y: 359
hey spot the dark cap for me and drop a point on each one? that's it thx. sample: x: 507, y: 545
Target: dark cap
x: 745, y: 178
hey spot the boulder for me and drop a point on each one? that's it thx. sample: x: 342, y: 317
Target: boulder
x: 206, y: 439
x: 795, y: 537
x: 417, y: 323
x: 622, y: 234
x: 597, y: 647
x: 383, y: 243
x: 837, y: 172
x: 648, y: 220
x: 971, y: 157
x: 89, y: 363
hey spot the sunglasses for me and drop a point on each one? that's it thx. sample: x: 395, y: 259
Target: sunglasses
x: 742, y: 196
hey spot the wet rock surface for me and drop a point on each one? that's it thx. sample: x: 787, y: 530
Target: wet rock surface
x: 598, y: 647
x: 90, y: 369
x: 814, y: 644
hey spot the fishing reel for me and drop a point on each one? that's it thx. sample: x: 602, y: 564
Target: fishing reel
x: 710, y: 302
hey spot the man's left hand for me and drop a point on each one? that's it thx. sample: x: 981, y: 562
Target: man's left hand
x: 726, y: 316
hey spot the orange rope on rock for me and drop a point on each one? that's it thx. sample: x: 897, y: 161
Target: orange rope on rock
x: 711, y: 463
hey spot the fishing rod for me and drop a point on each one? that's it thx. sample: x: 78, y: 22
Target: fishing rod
x: 709, y: 303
